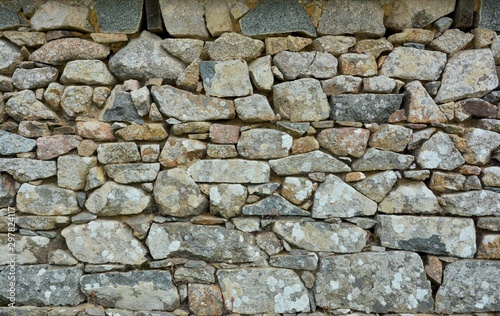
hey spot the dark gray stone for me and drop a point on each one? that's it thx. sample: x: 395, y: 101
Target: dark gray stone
x: 488, y: 13
x: 11, y: 143
x: 10, y: 19
x: 300, y: 261
x: 375, y: 159
x: 118, y: 16
x: 274, y: 205
x: 365, y: 108
x: 277, y: 17
x: 464, y: 14
x: 120, y: 107
x: 7, y: 190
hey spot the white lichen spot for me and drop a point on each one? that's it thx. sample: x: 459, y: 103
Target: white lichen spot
x: 396, y: 282
x: 174, y: 245
x: 334, y: 285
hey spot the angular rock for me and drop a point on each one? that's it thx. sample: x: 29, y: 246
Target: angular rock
x: 373, y: 47
x: 475, y: 107
x: 357, y: 65
x: 414, y: 64
x: 134, y: 290
x: 297, y: 190
x: 226, y: 78
x: 184, y: 18
x: 8, y: 190
x: 187, y: 50
x: 116, y: 243
x: 459, y: 81
x: 151, y: 132
x: 52, y: 94
x: 410, y: 197
x: 35, y: 222
x: 359, y: 17
x: 132, y: 61
x: 10, y: 19
x: 379, y: 84
x: 341, y: 85
x: 480, y: 145
x: 375, y: 159
x: 407, y: 13
x: 277, y: 18
x: 262, y: 143
x: 306, y: 261
x: 489, y: 248
x: 489, y: 223
x: 263, y: 290
x: 72, y: 171
x: 111, y: 16
x: 205, y: 299
x: 25, y: 170
x: 95, y: 178
x: 261, y: 73
x: 306, y: 64
x: 254, y: 108
x: 60, y: 51
x: 344, y: 141
x: 24, y: 105
x: 88, y: 72
x: 76, y: 100
x: 397, y: 281
x: 28, y: 249
x: 224, y: 134
x: 227, y: 199
x: 34, y: 78
x: 95, y: 130
x: 114, y: 199
x: 469, y: 286
x: 420, y: 107
x: 366, y: 108
x: 210, y: 243
x: 391, y: 137
x: 46, y: 199
x: 199, y: 272
x: 10, y: 57
x: 452, y: 41
x: 301, y: 100
x: 335, y: 45
x: 447, y: 181
x: 119, y: 107
x: 180, y: 151
x: 54, y: 15
x: 439, y: 152
x: 230, y: 171
x: 217, y: 15
x: 132, y: 173
x: 377, y: 186
x: 118, y: 153
x: 186, y: 106
x: 304, y: 145
x: 472, y: 203
x: 315, y: 161
x: 273, y: 205
x: 176, y: 194
x: 486, y: 15
x: 491, y: 176
x: 231, y: 46
x: 49, y: 147
x: 412, y: 35
x: 11, y: 143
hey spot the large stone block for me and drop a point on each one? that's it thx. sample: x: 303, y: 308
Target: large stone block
x: 365, y: 108
x: 230, y: 171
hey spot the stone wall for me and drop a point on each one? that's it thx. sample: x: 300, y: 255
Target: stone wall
x: 246, y: 157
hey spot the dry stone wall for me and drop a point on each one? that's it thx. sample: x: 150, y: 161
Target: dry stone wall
x: 249, y: 157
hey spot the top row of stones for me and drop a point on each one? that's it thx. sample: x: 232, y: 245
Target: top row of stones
x: 206, y: 19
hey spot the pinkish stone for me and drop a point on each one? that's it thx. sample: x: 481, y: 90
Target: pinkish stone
x: 95, y: 130
x: 49, y: 147
x: 66, y: 49
x: 224, y: 134
x: 344, y: 141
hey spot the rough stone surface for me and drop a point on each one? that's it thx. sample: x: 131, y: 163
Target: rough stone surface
x: 306, y: 64
x: 72, y: 171
x: 226, y: 78
x: 273, y: 205
x: 34, y: 78
x: 10, y: 57
x: 297, y: 190
x: 184, y: 18
x: 439, y: 152
x: 273, y: 291
x: 180, y: 151
x: 487, y: 15
x: 230, y: 171
x: 147, y: 131
x: 377, y: 186
x: 55, y: 15
x: 29, y: 249
x: 25, y: 170
x: 227, y: 200
x: 480, y: 146
x: 391, y: 137
x: 412, y: 35
x: 451, y: 41
x: 420, y: 107
x: 205, y: 299
x: 119, y: 16
x: 254, y: 108
x: 46, y: 199
x: 410, y: 197
x: 407, y: 13
x: 491, y: 176
x: 344, y: 141
x: 447, y: 181
x: 264, y: 144
x: 341, y: 85
x: 89, y: 72
x: 23, y: 105
x: 365, y: 108
x: 59, y: 51
x: 108, y: 153
x: 411, y: 63
x: 489, y: 223
x: 119, y: 107
x: 357, y: 65
x: 49, y: 147
x: 379, y: 84
x: 335, y: 45
x: 96, y: 130
x: 396, y: 279
x: 472, y: 203
x: 314, y: 161
x: 11, y: 143
x: 489, y: 248
x: 261, y: 73
x: 231, y: 46
x: 375, y: 159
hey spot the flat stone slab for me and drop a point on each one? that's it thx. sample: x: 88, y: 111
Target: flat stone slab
x: 25, y: 170
x: 375, y: 159
x: 230, y: 171
x: 414, y: 64
x: 119, y: 16
x: 314, y: 161
x: 11, y: 143
x: 46, y: 199
x: 263, y: 290
x: 469, y: 286
x: 226, y: 78
x: 473, y: 203
x: 365, y: 108
x: 274, y: 205
x: 410, y: 197
x: 396, y: 280
x: 446, y: 236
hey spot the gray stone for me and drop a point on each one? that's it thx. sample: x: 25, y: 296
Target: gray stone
x: 294, y: 129
x: 396, y: 281
x: 8, y: 190
x: 274, y: 205
x: 227, y: 199
x: 116, y: 243
x: 230, y: 171
x: 34, y: 78
x: 218, y: 17
x: 6, y: 84
x: 321, y: 236
x: 246, y: 224
x: 414, y: 64
x: 205, y: 242
x: 452, y: 41
x: 46, y: 199
x: 358, y: 65
x: 472, y: 203
x: 335, y: 45
x: 60, y: 257
x: 365, y: 108
x: 379, y: 84
x: 203, y: 274
x: 42, y: 222
x: 132, y: 173
x: 469, y: 286
x: 480, y: 145
x: 231, y: 46
x: 439, y: 152
x: 72, y: 171
x: 486, y: 17
x: 28, y: 249
x: 76, y: 100
x: 254, y: 108
x: 144, y: 58
x: 24, y: 105
x: 295, y: 65
x: 11, y: 143
x: 315, y: 161
x: 263, y: 290
x: 306, y: 261
x: 301, y: 100
x: 52, y: 95
x: 10, y: 57
x: 268, y: 242
x: 119, y: 16
x: 44, y: 285
x: 420, y: 107
x: 263, y: 189
x: 435, y: 235
x: 119, y: 107
x: 335, y: 198
x: 459, y: 82
x: 377, y: 186
x: 406, y: 13
x: 491, y: 176
x: 263, y: 143
x: 375, y: 159
x: 108, y: 153
x: 186, y: 49
x: 373, y: 47
x: 60, y: 51
x: 184, y: 18
x: 277, y: 18
x: 226, y: 78
x: 176, y: 194
x: 412, y: 35
x: 114, y: 199
x: 446, y: 181
x: 489, y: 223
x: 134, y: 290
x: 261, y: 73
x: 341, y: 85
x: 10, y: 19
x: 186, y: 106
x: 391, y: 137
x: 88, y: 72
x: 410, y: 197
x: 54, y: 15
x: 344, y: 141
x: 357, y: 17
x: 25, y: 170
x: 297, y: 190
x: 181, y: 151
x: 141, y: 99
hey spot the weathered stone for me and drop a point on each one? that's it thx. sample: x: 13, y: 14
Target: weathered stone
x: 468, y: 287
x: 218, y: 18
x: 446, y: 181
x: 116, y: 243
x: 11, y: 143
x: 263, y: 189
x: 95, y: 178
x: 373, y: 47
x: 72, y: 171
x: 439, y: 152
x: 410, y: 197
x: 377, y: 186
x: 420, y: 107
x: 131, y: 173
x: 408, y: 14
x: 273, y: 18
x: 24, y: 105
x: 299, y: 261
x: 184, y: 18
x: 411, y: 63
x: 489, y: 223
x: 42, y: 223
x: 110, y: 38
x: 230, y: 171
x: 434, y: 235
x: 114, y: 199
x: 227, y: 199
x: 100, y: 95
x: 335, y: 45
x: 391, y: 137
x: 491, y: 176
x: 6, y: 84
x: 379, y: 84
x: 119, y: 107
x: 412, y: 35
x: 76, y: 100
x: 341, y: 84
x: 186, y: 106
x: 315, y: 161
x: 357, y: 65
x: 226, y: 78
x: 62, y: 258
x: 49, y: 147
x: 28, y: 249
x: 33, y: 129
x: 366, y: 108
x: 475, y: 107
x: 34, y: 78
x: 274, y: 205
x: 89, y: 72
x: 472, y: 203
x: 344, y: 141
x: 375, y: 159
x: 120, y: 16
x: 489, y: 248
x: 419, y: 175
x: 10, y: 57
x: 359, y: 17
x: 301, y: 100
x: 231, y: 46
x: 180, y: 151
x: 54, y: 15
x: 8, y: 190
x: 144, y: 58
x: 191, y: 128
x: 59, y: 51
x: 176, y: 194
x: 134, y: 290
x: 199, y: 272
x: 276, y: 45
x: 306, y: 64
x: 297, y: 190
x: 10, y: 19
x: 263, y: 290
x: 304, y: 145
x: 46, y: 200
x: 480, y: 145
x: 452, y: 41
x: 474, y: 83
x: 486, y: 15
x: 264, y: 144
x: 25, y: 170
x: 210, y: 243
x: 44, y: 285
x: 254, y: 108
x: 118, y: 153
x: 187, y: 50
x: 95, y: 130
x: 147, y: 131
x: 224, y: 134
x: 261, y: 73
x: 268, y: 242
